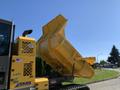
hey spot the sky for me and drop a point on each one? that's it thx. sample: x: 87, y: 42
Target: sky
x: 93, y: 26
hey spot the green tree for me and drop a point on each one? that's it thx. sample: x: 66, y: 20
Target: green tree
x: 114, y: 57
x: 102, y: 62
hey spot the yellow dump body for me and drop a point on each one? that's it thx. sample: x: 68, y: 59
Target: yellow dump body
x: 90, y: 60
x: 55, y: 50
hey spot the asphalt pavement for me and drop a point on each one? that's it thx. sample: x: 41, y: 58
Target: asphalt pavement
x: 113, y: 84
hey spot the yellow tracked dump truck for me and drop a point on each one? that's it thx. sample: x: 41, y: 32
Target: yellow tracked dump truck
x: 45, y: 64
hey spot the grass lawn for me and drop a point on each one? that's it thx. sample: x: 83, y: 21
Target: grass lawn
x: 99, y: 75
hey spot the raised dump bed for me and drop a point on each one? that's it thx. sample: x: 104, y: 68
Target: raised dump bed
x: 56, y: 50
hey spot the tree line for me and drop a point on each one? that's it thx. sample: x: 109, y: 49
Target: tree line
x: 114, y: 57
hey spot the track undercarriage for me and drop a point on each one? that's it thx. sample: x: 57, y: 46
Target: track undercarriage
x: 71, y: 87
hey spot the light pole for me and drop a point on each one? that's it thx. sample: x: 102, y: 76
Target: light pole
x: 98, y: 57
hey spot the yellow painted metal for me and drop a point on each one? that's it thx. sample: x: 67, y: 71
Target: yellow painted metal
x: 42, y: 83
x: 56, y: 50
x: 26, y: 44
x: 26, y: 38
x: 90, y: 60
x: 18, y: 80
x: 23, y: 64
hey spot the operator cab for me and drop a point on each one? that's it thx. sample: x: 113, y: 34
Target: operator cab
x: 6, y: 35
